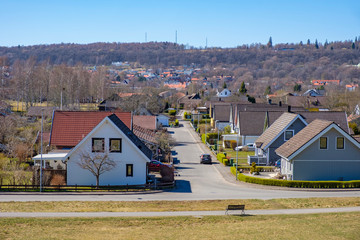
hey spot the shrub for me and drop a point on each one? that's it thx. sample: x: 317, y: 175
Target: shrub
x: 57, y: 179
x: 233, y: 144
x: 172, y: 112
x: 176, y: 122
x: 187, y: 115
x: 225, y: 161
x: 296, y: 183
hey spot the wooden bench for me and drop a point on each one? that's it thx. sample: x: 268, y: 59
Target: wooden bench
x: 235, y: 208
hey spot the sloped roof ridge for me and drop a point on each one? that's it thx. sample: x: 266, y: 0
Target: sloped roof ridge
x: 142, y: 147
x: 276, y: 128
x: 303, y: 137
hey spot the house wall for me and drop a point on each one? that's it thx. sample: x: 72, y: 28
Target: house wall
x: 248, y: 139
x: 330, y: 164
x: 297, y: 126
x: 129, y: 155
x: 163, y: 120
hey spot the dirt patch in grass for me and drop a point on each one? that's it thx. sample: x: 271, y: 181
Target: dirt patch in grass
x: 158, y: 206
x: 310, y: 226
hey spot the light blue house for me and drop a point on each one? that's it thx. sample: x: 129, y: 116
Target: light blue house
x: 321, y: 151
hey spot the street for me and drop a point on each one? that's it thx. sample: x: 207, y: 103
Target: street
x: 196, y: 181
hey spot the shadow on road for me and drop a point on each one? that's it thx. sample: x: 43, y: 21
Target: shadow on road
x: 174, y: 153
x: 182, y: 186
x: 171, y: 132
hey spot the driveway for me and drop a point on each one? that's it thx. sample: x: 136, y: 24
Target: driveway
x: 196, y: 181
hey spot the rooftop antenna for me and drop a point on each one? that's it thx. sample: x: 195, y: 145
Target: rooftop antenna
x: 145, y: 36
x: 206, y: 43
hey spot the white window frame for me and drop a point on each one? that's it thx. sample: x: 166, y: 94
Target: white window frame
x: 336, y: 147
x: 289, y: 130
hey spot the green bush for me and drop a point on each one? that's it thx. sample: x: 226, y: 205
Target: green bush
x: 225, y: 161
x: 187, y: 115
x: 176, y: 122
x: 296, y: 183
x: 172, y: 112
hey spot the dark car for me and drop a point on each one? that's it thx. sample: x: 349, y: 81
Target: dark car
x: 205, y: 158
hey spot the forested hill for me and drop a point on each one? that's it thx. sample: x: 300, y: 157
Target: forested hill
x: 169, y: 54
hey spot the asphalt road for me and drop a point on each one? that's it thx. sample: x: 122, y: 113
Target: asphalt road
x: 196, y: 181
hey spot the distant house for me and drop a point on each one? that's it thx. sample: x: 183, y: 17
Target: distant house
x: 313, y: 93
x: 321, y: 151
x: 162, y: 121
x: 325, y: 82
x: 308, y: 102
x: 351, y: 87
x: 148, y: 122
x: 37, y: 111
x: 189, y: 102
x: 224, y: 93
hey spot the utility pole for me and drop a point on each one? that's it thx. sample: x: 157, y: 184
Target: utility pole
x: 41, y: 153
x: 237, y: 152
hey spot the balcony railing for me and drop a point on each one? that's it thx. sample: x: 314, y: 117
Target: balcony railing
x: 259, y: 160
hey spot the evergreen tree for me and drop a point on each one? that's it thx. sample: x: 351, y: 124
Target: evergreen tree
x: 297, y: 87
x: 269, y: 44
x: 301, y: 43
x: 326, y: 44
x: 308, y: 42
x: 316, y: 44
x: 224, y: 85
x: 267, y: 90
x: 242, y: 88
x: 353, y: 45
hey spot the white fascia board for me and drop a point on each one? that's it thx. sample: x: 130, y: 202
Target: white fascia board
x: 283, y: 130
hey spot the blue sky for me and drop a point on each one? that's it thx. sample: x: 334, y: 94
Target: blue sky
x: 226, y: 23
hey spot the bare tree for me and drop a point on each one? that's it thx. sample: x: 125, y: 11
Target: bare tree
x: 96, y: 163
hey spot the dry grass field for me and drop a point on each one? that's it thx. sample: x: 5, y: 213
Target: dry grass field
x: 310, y: 226
x: 156, y: 206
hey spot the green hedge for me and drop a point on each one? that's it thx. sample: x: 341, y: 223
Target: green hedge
x: 172, y: 112
x: 202, y: 121
x: 296, y: 183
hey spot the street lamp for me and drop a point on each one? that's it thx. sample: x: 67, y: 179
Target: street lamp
x: 237, y: 151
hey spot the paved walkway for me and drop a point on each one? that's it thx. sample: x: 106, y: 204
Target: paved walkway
x: 172, y: 214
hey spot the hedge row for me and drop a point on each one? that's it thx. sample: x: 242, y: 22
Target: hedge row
x: 296, y: 183
x: 222, y: 158
x: 261, y: 168
x: 202, y: 121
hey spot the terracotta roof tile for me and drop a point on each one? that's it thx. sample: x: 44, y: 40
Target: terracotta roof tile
x: 148, y: 122
x: 69, y: 128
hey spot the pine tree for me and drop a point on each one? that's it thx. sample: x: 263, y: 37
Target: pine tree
x: 308, y: 42
x: 224, y: 85
x: 316, y: 44
x: 269, y: 44
x: 267, y: 90
x: 242, y: 88
x: 353, y: 45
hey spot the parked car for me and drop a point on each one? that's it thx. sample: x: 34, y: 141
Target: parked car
x: 205, y: 158
x: 155, y: 165
x: 278, y: 163
x: 247, y: 147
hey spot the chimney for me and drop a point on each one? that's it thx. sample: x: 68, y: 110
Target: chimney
x: 289, y: 108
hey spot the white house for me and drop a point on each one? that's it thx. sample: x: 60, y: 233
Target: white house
x: 112, y: 137
x: 162, y: 120
x: 224, y: 93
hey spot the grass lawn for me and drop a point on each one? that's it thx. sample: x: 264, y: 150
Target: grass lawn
x: 158, y: 206
x: 310, y: 226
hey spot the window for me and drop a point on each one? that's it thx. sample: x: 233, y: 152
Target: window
x: 129, y: 170
x: 289, y: 134
x: 115, y: 145
x: 323, y: 142
x: 98, y: 144
x: 340, y: 143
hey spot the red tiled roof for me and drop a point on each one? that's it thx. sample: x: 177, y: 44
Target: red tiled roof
x: 148, y: 122
x: 69, y: 128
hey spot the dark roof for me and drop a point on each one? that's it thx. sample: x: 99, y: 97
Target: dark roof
x: 339, y: 118
x: 304, y: 136
x: 252, y: 123
x: 221, y: 112
x: 142, y: 147
x: 307, y: 101
x: 69, y: 128
x: 277, y: 127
